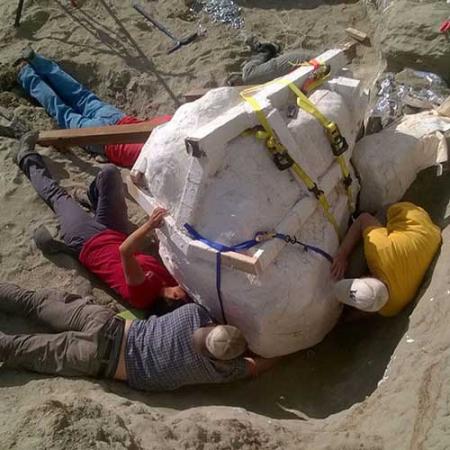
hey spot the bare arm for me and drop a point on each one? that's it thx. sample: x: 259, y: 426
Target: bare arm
x: 258, y: 365
x: 353, y: 236
x: 134, y: 274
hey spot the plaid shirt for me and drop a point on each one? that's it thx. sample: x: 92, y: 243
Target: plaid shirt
x: 159, y: 353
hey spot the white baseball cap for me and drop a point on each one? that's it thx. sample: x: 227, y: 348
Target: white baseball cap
x: 225, y: 342
x: 366, y: 294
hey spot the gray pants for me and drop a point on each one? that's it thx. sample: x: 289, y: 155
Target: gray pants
x: 85, y: 341
x: 258, y: 70
x: 78, y: 226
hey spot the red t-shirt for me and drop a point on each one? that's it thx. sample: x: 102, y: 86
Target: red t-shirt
x: 125, y: 155
x: 101, y: 256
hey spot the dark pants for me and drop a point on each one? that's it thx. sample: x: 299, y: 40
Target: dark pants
x: 85, y: 341
x: 78, y: 226
x: 261, y: 70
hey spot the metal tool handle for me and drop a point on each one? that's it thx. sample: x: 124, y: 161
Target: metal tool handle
x: 19, y: 13
x: 158, y: 25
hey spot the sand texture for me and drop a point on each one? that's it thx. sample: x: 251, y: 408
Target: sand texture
x: 379, y: 384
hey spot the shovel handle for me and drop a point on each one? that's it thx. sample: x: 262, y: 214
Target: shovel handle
x: 158, y: 25
x: 19, y: 13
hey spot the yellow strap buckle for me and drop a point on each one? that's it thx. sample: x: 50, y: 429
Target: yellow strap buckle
x: 338, y: 143
x: 316, y: 191
x: 283, y: 160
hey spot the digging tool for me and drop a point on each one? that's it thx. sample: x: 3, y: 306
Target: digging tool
x: 178, y: 42
x: 19, y: 13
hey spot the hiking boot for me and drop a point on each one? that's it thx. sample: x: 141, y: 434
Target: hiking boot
x: 270, y: 48
x: 27, y: 144
x: 47, y: 244
x: 26, y: 55
x: 11, y: 126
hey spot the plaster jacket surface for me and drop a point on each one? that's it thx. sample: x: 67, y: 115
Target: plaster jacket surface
x: 232, y: 190
x: 389, y: 161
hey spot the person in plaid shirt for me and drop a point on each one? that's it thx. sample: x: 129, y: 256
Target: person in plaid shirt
x: 161, y: 353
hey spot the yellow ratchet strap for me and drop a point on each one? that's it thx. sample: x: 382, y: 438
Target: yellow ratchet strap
x: 337, y: 141
x: 319, y: 76
x: 284, y: 161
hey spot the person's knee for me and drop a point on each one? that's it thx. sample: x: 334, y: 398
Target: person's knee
x: 110, y: 170
x: 109, y: 174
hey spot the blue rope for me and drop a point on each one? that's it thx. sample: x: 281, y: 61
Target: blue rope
x: 245, y: 245
x: 221, y: 248
x: 293, y: 240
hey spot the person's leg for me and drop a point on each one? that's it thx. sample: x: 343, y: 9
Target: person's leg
x: 77, y: 226
x: 108, y: 199
x: 260, y: 70
x: 65, y: 116
x: 79, y: 348
x: 58, y: 310
x: 74, y: 93
x: 68, y: 354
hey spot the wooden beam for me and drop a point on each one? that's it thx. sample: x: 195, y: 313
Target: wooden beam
x: 115, y: 134
x: 357, y: 35
x: 195, y: 94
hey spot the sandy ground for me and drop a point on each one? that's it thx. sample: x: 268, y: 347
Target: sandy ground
x: 108, y: 46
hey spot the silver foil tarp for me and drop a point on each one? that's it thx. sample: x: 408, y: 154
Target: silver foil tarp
x: 407, y: 91
x: 224, y: 11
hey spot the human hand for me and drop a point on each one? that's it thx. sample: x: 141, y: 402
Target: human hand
x: 174, y: 293
x: 156, y: 219
x: 338, y: 267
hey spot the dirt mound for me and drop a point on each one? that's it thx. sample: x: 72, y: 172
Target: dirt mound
x: 408, y: 35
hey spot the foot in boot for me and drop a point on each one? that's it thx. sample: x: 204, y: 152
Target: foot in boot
x: 26, y: 146
x: 10, y: 125
x: 268, y: 47
x: 26, y: 55
x: 47, y: 244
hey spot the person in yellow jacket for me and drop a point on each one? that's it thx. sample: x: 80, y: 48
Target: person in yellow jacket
x: 398, y: 256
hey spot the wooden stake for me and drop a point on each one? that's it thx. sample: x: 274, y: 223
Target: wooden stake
x: 356, y: 34
x: 195, y: 94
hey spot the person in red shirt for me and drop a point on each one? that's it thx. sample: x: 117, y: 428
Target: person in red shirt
x: 74, y: 106
x: 102, y: 242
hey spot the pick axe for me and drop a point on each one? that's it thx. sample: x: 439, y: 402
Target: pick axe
x: 178, y: 42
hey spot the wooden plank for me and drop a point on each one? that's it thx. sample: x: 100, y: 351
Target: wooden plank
x: 240, y: 118
x: 234, y: 260
x: 115, y: 134
x: 195, y: 94
x: 356, y: 34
